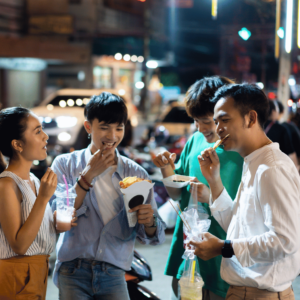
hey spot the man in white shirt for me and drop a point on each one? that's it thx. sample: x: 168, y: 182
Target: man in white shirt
x: 261, y: 256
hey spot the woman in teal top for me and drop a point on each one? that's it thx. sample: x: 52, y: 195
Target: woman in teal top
x: 200, y: 109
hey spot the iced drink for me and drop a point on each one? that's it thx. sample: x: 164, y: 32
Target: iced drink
x: 191, y: 290
x: 64, y: 213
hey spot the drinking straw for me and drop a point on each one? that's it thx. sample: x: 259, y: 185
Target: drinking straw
x: 180, y: 216
x: 192, y: 278
x: 67, y: 189
x: 185, y: 220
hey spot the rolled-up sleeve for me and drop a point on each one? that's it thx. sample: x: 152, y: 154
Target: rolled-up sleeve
x: 222, y: 209
x: 278, y: 196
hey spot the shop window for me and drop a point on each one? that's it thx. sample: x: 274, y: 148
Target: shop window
x: 102, y: 77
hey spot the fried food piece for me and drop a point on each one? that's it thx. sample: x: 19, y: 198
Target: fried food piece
x: 219, y: 142
x: 128, y: 181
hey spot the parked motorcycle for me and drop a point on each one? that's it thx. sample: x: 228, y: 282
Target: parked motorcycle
x: 140, y: 271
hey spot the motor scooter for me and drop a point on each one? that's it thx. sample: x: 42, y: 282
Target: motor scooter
x: 140, y: 271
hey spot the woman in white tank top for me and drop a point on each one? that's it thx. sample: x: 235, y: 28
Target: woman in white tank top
x: 27, y: 232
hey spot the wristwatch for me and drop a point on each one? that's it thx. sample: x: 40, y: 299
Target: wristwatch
x: 154, y: 222
x: 227, y: 250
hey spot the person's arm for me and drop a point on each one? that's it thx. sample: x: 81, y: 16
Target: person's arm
x: 278, y: 196
x: 19, y: 236
x: 221, y: 204
x: 165, y: 161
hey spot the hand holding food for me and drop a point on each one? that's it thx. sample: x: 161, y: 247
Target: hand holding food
x: 128, y: 181
x: 165, y: 159
x: 220, y: 142
x: 48, y: 185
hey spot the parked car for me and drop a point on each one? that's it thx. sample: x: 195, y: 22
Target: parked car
x: 62, y: 116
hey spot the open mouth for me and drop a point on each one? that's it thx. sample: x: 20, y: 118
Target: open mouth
x: 208, y: 135
x: 108, y: 145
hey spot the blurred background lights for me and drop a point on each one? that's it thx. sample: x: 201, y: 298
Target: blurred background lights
x: 122, y: 92
x: 97, y: 71
x: 66, y: 121
x: 260, y: 85
x: 139, y: 85
x: 62, y: 103
x: 126, y: 57
x: 134, y: 58
x: 50, y: 107
x: 79, y: 102
x: 86, y: 101
x: 71, y: 102
x: 292, y: 81
x: 244, y: 33
x: 47, y: 120
x: 118, y: 56
x: 64, y: 136
x: 290, y: 102
x: 152, y: 64
x: 280, y: 32
x: 81, y: 76
x: 140, y: 59
x: 36, y: 162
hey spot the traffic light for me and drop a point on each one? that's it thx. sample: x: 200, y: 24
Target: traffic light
x: 244, y: 33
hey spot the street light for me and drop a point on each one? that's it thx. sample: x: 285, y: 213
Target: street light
x: 151, y: 64
x: 289, y: 26
x: 214, y: 9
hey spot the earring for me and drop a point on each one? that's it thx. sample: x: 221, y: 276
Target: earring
x: 89, y: 136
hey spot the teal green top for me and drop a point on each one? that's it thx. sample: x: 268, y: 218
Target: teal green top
x: 231, y: 165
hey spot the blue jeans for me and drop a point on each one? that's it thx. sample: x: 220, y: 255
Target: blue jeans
x: 82, y: 279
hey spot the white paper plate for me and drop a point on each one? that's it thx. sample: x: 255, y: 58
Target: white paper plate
x: 169, y: 181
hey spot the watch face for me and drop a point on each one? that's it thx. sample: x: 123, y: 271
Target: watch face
x: 227, y: 252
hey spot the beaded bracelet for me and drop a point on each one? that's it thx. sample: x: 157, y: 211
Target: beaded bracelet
x: 85, y: 181
x: 77, y: 180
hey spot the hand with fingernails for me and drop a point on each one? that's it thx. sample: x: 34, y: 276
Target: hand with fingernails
x: 164, y: 159
x: 144, y: 214
x: 73, y: 221
x: 98, y: 163
x: 199, y: 191
x: 209, y: 247
x: 48, y: 185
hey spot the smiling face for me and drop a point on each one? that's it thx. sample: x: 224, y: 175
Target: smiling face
x: 228, y: 120
x: 104, y: 135
x: 34, y: 144
x: 207, y: 127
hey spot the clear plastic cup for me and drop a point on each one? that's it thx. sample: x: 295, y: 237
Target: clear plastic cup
x: 64, y: 213
x: 191, y: 290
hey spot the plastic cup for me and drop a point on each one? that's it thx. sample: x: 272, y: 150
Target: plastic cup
x: 191, y: 290
x: 64, y: 213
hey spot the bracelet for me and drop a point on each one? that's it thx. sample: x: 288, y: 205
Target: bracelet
x: 85, y: 181
x: 81, y: 185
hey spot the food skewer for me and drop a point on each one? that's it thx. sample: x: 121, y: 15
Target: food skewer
x: 187, y: 226
x: 219, y: 142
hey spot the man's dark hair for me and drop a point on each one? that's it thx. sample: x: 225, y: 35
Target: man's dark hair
x: 280, y: 106
x: 108, y: 108
x: 197, y: 101
x: 247, y: 97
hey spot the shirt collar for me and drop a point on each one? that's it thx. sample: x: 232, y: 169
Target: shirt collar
x: 259, y: 151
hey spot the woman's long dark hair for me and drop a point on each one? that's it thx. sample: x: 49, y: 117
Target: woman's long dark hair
x: 12, y: 127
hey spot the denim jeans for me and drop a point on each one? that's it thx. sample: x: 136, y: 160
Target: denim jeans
x: 82, y: 279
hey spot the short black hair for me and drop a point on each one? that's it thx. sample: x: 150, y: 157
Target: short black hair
x: 197, y: 101
x: 247, y: 97
x: 108, y: 108
x: 280, y: 106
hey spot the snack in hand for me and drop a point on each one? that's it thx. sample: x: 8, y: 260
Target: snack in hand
x: 128, y: 181
x: 219, y: 142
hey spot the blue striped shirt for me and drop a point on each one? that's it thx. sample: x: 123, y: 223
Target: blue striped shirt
x: 44, y: 242
x: 114, y: 242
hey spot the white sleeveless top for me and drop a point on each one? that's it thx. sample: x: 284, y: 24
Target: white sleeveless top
x: 44, y: 243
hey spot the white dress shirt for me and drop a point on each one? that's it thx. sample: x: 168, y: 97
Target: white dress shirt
x: 263, y: 222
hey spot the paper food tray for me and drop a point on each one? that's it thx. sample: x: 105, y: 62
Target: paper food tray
x: 135, y: 195
x: 168, y: 181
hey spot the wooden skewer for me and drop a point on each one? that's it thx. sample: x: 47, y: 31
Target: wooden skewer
x: 185, y: 220
x: 180, y: 216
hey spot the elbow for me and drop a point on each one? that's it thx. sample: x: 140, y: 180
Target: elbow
x: 19, y: 249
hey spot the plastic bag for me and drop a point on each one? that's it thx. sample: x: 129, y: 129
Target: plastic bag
x: 197, y: 222
x: 168, y: 214
x: 191, y: 282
